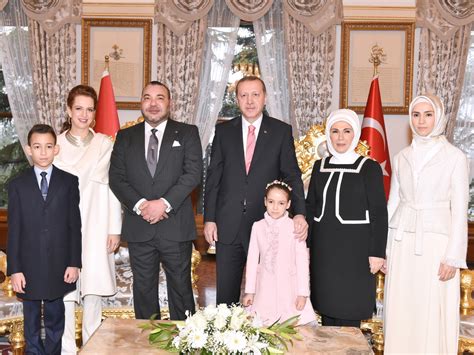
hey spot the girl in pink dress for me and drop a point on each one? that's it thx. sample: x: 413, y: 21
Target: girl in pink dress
x: 277, y: 272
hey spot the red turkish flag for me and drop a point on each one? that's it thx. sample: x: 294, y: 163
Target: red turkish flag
x: 106, y: 118
x: 373, y: 131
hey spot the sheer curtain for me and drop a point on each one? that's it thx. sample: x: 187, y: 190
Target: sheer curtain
x: 310, y: 71
x: 221, y: 38
x: 464, y: 126
x: 441, y: 69
x: 271, y: 51
x: 15, y: 59
x: 179, y: 60
x: 53, y: 61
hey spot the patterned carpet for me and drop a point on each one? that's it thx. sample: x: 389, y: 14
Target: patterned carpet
x: 5, y: 348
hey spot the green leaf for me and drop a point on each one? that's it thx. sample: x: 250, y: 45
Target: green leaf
x: 272, y: 350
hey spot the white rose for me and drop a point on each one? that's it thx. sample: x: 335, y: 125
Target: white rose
x: 210, y: 312
x: 237, y: 320
x: 220, y: 322
x: 197, y: 322
x: 223, y: 310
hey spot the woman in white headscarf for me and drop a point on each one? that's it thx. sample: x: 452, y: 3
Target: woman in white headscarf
x: 427, y: 238
x: 347, y: 209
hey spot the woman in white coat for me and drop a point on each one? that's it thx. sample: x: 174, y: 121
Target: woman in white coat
x: 86, y: 154
x: 427, y: 237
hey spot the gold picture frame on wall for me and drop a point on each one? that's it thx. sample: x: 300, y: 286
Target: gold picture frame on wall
x: 395, y: 72
x: 127, y: 42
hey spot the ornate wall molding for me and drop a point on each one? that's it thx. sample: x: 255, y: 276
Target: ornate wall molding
x: 444, y: 17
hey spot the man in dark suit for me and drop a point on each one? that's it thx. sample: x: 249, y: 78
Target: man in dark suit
x: 155, y: 165
x: 248, y: 152
x: 44, y: 241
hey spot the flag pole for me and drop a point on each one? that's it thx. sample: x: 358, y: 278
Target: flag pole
x: 107, y: 58
x: 106, y: 117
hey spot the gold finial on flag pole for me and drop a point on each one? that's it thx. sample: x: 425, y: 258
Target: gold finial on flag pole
x: 107, y: 62
x: 377, y: 57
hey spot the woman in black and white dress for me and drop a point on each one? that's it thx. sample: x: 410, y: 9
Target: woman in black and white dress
x: 348, y: 211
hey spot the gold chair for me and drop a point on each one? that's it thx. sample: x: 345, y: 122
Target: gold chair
x: 466, y: 324
x: 11, y: 311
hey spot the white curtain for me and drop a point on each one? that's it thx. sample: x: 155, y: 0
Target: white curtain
x: 221, y: 38
x: 464, y: 126
x: 15, y: 59
x: 271, y: 51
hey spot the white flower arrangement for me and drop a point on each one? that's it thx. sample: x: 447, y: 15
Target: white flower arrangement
x: 222, y: 330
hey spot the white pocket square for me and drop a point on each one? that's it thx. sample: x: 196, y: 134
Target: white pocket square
x: 176, y: 144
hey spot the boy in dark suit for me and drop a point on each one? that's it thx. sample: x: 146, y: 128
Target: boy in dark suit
x: 44, y: 241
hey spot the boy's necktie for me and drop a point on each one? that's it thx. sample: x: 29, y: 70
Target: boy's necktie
x: 44, y: 185
x: 250, y: 147
x: 152, y: 152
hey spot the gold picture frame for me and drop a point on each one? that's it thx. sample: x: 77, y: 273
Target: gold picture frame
x: 127, y: 42
x: 395, y: 74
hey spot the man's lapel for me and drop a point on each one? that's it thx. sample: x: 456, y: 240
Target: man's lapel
x: 236, y: 140
x: 33, y: 185
x: 262, y: 140
x: 139, y: 144
x: 54, y: 185
x: 170, y: 135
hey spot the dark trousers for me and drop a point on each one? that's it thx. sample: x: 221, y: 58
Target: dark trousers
x: 145, y: 259
x: 230, y: 263
x: 337, y: 322
x: 53, y: 316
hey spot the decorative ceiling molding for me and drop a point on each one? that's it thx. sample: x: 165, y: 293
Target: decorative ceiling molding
x: 444, y: 17
x: 249, y: 10
x: 316, y: 15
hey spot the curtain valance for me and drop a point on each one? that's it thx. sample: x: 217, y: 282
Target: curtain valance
x: 444, y: 17
x: 316, y: 15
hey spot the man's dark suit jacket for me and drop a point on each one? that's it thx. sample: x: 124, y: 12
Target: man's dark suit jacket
x: 178, y: 172
x: 44, y: 237
x: 229, y: 190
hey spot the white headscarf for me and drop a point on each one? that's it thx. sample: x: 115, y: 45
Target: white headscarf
x: 426, y: 147
x: 440, y: 117
x: 350, y: 117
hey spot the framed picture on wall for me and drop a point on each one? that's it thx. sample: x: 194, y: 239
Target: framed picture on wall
x: 389, y: 43
x: 127, y: 42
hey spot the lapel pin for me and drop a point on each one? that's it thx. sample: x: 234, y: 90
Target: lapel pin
x: 264, y: 131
